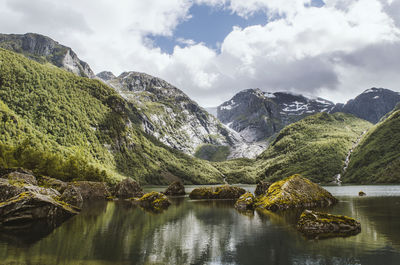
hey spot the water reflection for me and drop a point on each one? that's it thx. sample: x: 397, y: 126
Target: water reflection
x: 210, y: 232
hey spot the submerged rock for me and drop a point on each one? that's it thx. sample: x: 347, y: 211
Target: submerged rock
x: 128, y: 188
x: 91, y: 190
x: 361, y: 193
x: 53, y: 183
x: 175, y: 189
x: 294, y: 192
x: 155, y: 201
x: 29, y: 208
x: 245, y: 202
x: 322, y: 225
x: 261, y: 188
x: 72, y: 195
x: 221, y: 192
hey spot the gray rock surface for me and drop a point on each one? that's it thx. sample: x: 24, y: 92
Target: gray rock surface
x: 128, y: 188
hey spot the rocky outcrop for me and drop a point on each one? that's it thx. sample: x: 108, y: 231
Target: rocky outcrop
x: 154, y: 201
x: 106, y: 76
x: 128, y: 188
x: 18, y: 177
x: 169, y: 114
x: 91, y: 190
x: 371, y: 105
x: 294, y: 192
x: 10, y: 188
x: 53, y: 183
x: 72, y: 196
x: 261, y: 188
x: 43, y: 49
x: 175, y: 189
x: 322, y: 225
x: 245, y: 202
x: 226, y: 192
x: 30, y: 208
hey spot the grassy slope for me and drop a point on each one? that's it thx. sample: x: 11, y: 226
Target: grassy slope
x: 315, y: 147
x: 377, y: 158
x: 56, y: 111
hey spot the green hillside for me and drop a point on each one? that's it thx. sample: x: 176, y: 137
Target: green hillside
x: 377, y: 158
x: 315, y: 147
x: 75, y: 120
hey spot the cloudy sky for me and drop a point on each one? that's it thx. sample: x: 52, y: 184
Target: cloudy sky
x: 211, y: 49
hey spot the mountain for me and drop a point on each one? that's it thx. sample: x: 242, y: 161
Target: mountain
x: 371, y: 105
x: 258, y: 115
x: 62, y: 125
x: 315, y: 147
x: 212, y: 111
x: 377, y: 157
x: 45, y: 50
x: 169, y: 114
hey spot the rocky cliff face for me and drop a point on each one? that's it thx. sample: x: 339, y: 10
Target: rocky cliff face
x: 43, y: 49
x: 371, y: 105
x: 257, y: 115
x: 168, y: 114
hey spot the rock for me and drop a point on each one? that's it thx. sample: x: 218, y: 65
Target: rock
x: 53, y: 183
x: 5, y: 171
x: 91, y: 190
x: 72, y: 195
x: 221, y: 192
x: 322, y: 225
x: 245, y: 202
x: 294, y: 192
x: 175, y: 189
x: 20, y: 177
x: 154, y: 201
x: 128, y: 188
x: 361, y: 193
x: 10, y: 188
x: 261, y: 188
x: 29, y: 208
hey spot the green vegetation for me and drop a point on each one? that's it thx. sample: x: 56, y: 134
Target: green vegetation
x: 315, y: 147
x: 64, y: 119
x: 377, y: 158
x: 210, y: 152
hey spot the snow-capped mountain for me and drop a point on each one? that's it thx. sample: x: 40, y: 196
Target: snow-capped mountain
x: 169, y: 114
x: 371, y: 105
x: 257, y: 115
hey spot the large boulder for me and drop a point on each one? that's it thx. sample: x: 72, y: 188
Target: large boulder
x: 29, y: 208
x: 154, y: 201
x: 261, y: 188
x: 91, y: 190
x: 72, y: 195
x: 322, y: 225
x: 53, y: 183
x: 294, y: 192
x: 220, y: 192
x: 175, y: 189
x: 245, y: 202
x: 10, y: 188
x: 128, y: 188
x: 21, y: 177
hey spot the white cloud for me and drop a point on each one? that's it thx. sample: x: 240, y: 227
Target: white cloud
x: 335, y: 51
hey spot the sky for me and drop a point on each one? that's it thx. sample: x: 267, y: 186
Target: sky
x: 212, y: 49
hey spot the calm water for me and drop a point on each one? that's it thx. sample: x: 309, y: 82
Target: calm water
x: 211, y: 232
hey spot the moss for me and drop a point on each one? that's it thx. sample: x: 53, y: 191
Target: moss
x: 154, y: 201
x: 220, y: 192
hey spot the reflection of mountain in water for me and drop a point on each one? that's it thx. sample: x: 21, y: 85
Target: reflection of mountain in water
x: 210, y: 232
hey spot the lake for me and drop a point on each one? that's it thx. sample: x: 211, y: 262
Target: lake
x: 213, y: 232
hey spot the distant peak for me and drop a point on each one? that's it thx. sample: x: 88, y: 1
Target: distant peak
x: 106, y: 75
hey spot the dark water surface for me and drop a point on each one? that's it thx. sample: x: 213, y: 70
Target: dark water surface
x: 212, y: 232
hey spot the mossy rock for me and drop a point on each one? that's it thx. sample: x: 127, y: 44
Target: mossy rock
x: 19, y: 177
x: 72, y: 195
x: 154, y: 201
x: 48, y: 182
x: 261, y: 188
x: 91, y: 190
x: 226, y: 192
x: 322, y: 225
x: 128, y: 188
x: 10, y: 188
x: 175, y: 189
x: 295, y: 192
x: 245, y: 202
